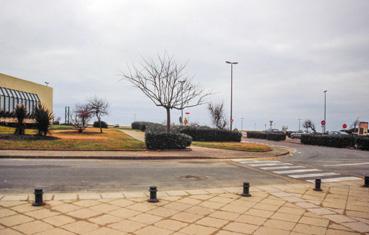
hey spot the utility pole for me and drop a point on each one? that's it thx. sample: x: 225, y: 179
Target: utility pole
x: 182, y: 101
x: 325, y: 112
x: 241, y: 123
x: 299, y: 124
x: 231, y: 116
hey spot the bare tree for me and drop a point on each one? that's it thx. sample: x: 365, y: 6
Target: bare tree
x: 99, y: 108
x: 165, y: 83
x: 217, y: 115
x: 82, y: 115
x: 309, y: 124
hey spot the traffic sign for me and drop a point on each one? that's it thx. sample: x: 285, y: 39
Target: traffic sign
x: 322, y: 122
x: 344, y: 126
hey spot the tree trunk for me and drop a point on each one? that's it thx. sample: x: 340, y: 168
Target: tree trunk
x: 168, y: 120
x: 100, y: 125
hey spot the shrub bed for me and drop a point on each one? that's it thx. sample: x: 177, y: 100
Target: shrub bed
x: 103, y: 124
x: 142, y: 126
x: 339, y: 141
x: 276, y: 136
x: 362, y: 143
x: 211, y: 134
x: 162, y: 140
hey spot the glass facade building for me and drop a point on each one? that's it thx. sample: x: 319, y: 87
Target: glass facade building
x: 9, y: 98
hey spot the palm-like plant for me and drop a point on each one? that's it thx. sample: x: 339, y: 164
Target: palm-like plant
x: 43, y: 119
x: 20, y: 113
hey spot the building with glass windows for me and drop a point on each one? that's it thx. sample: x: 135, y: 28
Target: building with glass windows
x: 15, y: 91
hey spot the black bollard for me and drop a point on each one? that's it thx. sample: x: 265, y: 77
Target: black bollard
x: 366, y: 181
x: 153, y: 198
x: 38, y: 197
x: 246, y: 190
x: 318, y: 183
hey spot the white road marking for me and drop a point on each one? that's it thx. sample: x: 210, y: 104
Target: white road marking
x: 280, y: 167
x: 350, y: 164
x: 313, y: 175
x: 296, y: 171
x: 271, y: 164
x: 337, y: 179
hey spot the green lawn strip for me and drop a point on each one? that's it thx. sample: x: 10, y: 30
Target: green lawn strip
x: 247, y: 147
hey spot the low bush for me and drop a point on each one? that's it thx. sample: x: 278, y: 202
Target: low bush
x: 142, y: 125
x: 362, y: 143
x: 103, y: 124
x: 276, y: 136
x: 338, y: 141
x: 211, y: 134
x: 162, y: 140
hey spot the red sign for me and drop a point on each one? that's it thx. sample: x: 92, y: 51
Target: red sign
x: 322, y: 122
x: 344, y: 126
x: 188, y: 113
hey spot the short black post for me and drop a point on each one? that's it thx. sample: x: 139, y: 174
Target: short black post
x: 366, y: 181
x: 246, y: 190
x: 38, y: 197
x: 318, y: 183
x: 153, y: 198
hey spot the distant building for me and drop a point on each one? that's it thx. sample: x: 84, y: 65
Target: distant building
x: 363, y: 128
x: 15, y: 91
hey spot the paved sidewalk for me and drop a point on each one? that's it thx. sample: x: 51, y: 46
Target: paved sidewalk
x: 276, y: 209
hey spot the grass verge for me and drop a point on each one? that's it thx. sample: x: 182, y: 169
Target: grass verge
x: 91, y: 139
x: 247, y: 147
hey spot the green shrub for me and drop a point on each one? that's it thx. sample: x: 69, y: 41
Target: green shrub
x: 276, y: 136
x: 362, y: 142
x: 43, y: 119
x: 142, y: 125
x: 103, y: 124
x: 338, y: 141
x: 20, y: 113
x: 162, y: 140
x: 211, y: 134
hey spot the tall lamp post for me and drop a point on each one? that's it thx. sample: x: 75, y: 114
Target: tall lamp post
x: 299, y: 124
x: 231, y: 117
x: 325, y: 111
x: 182, y: 101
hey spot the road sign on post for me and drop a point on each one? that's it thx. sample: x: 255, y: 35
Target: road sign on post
x: 344, y: 126
x: 322, y: 122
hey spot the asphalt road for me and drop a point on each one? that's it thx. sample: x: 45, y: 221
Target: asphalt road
x: 21, y: 175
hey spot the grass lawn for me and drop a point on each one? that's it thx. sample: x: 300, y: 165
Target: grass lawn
x: 90, y: 139
x: 247, y: 147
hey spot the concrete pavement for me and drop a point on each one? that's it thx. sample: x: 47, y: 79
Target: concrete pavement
x: 275, y: 209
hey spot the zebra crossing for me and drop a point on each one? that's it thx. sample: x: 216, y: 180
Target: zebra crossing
x: 295, y: 171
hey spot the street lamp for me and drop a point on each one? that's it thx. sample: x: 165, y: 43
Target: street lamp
x: 299, y: 124
x: 182, y: 101
x: 325, y: 111
x: 231, y: 117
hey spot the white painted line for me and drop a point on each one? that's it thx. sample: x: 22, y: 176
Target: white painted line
x: 258, y: 162
x: 271, y: 164
x: 350, y: 164
x: 280, y: 167
x: 312, y: 175
x: 338, y: 179
x: 296, y: 171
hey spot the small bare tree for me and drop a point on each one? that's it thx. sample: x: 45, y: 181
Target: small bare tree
x: 99, y: 108
x: 309, y: 124
x: 217, y: 115
x: 82, y: 115
x: 165, y: 83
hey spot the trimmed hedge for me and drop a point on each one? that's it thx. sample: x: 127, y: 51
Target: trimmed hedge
x: 103, y: 124
x: 162, y: 140
x: 338, y: 141
x: 211, y: 134
x: 142, y: 125
x: 276, y: 136
x: 362, y: 143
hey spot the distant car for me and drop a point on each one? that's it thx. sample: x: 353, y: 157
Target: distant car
x: 337, y: 133
x: 296, y: 135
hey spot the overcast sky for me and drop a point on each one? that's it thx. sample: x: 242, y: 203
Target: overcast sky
x: 288, y: 53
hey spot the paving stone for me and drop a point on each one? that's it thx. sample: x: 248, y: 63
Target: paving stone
x: 340, y: 232
x: 25, y: 208
x: 357, y: 214
x: 144, y: 206
x: 196, y: 192
x: 338, y: 227
x: 251, y: 219
x: 124, y: 213
x: 163, y: 212
x: 286, y: 217
x: 339, y: 218
x: 111, y: 195
x: 105, y: 231
x: 321, y: 211
x: 12, y: 203
x: 310, y: 229
x: 59, y: 220
x: 6, y: 212
x: 259, y: 213
x: 279, y: 224
x: 83, y: 213
x: 306, y: 205
x: 104, y: 208
x: 225, y: 232
x: 224, y: 215
x: 146, y: 218
x: 15, y: 220
x: 186, y: 217
x: 121, y: 202
x: 33, y: 227
x: 270, y: 231
x: 55, y: 231
x: 104, y: 219
x: 89, y: 196
x: 216, y: 190
x: 170, y: 224
x: 220, y: 199
x: 267, y: 207
x: 9, y: 231
x: 80, y: 227
x: 42, y: 213
x: 195, y: 229
x: 153, y: 230
x: 211, y: 205
x: 64, y: 208
x: 134, y: 194
x: 314, y: 221
x: 240, y: 227
x: 190, y: 201
x: 212, y: 222
x: 289, y: 210
x: 179, y: 206
x: 358, y: 226
x: 127, y: 226
x: 201, y: 197
x: 86, y: 203
x: 176, y: 193
x: 65, y: 196
x: 199, y: 210
x: 15, y: 197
